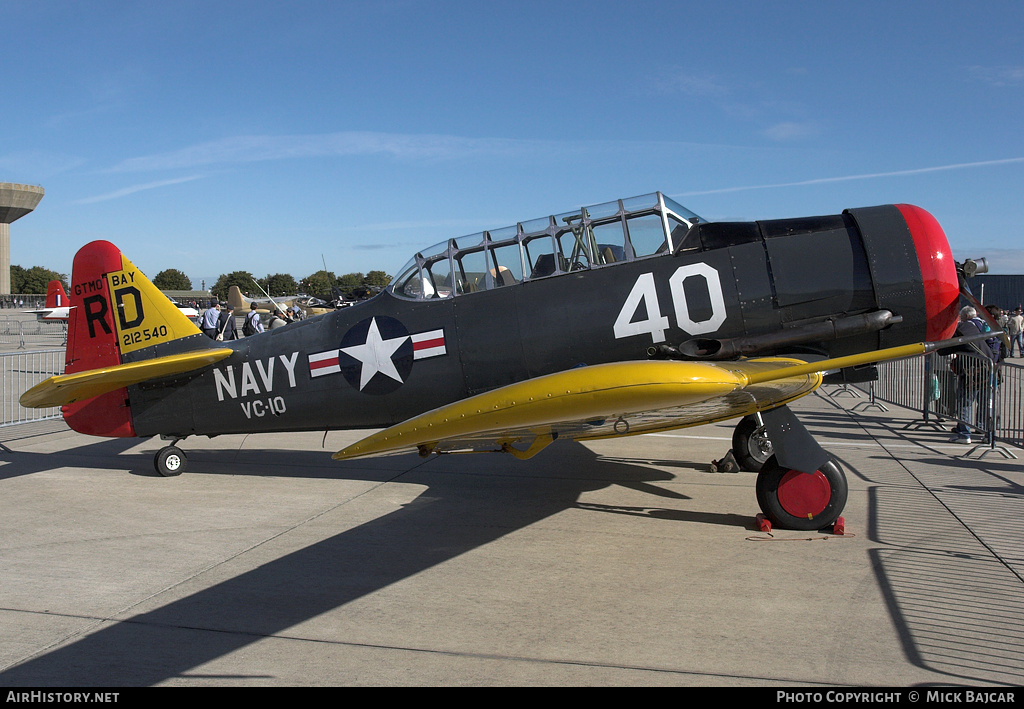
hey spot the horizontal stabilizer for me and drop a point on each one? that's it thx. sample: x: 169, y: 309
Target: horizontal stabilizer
x: 68, y: 388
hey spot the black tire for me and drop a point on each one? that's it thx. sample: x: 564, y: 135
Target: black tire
x: 169, y: 461
x: 801, y: 501
x: 750, y: 445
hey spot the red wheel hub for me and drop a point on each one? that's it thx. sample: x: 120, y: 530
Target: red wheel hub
x: 802, y: 495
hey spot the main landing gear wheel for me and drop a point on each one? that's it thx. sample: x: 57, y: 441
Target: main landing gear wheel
x: 750, y: 444
x: 169, y: 461
x: 795, y: 500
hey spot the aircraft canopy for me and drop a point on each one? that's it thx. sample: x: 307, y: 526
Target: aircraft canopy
x: 591, y: 237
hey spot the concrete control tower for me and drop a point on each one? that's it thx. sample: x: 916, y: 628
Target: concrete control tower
x: 15, y: 202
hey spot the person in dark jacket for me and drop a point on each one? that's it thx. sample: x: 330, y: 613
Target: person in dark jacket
x: 971, y: 372
x: 226, y: 326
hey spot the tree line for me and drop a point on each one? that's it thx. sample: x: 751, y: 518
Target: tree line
x: 320, y: 283
x: 34, y: 280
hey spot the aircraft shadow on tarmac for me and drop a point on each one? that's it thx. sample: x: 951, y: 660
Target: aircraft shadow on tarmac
x: 729, y: 520
x: 165, y: 643
x: 97, y: 454
x: 957, y: 609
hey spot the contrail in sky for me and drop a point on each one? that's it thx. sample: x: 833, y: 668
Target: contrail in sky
x: 867, y: 176
x: 136, y: 188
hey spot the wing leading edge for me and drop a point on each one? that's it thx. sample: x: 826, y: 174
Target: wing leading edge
x: 609, y: 400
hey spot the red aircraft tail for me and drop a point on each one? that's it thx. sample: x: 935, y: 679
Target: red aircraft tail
x: 115, y: 311
x: 56, y: 297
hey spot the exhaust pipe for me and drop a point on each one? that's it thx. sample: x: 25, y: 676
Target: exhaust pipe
x: 702, y: 348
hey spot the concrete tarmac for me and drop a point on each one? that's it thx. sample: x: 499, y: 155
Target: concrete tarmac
x: 621, y: 562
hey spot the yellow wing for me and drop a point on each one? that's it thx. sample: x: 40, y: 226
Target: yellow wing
x: 609, y: 400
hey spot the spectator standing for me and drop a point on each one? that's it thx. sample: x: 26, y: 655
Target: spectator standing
x: 210, y: 320
x: 970, y: 371
x: 227, y: 329
x: 277, y: 320
x: 1015, y: 329
x: 253, y: 325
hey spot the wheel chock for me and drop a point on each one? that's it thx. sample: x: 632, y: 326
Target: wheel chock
x: 839, y: 528
x: 727, y: 464
x: 763, y: 523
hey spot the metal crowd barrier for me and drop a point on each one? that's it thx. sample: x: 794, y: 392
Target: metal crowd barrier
x: 1010, y: 415
x: 19, y: 371
x: 966, y: 387
x: 14, y: 332
x: 10, y: 332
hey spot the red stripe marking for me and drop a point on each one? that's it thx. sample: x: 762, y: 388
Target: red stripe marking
x: 427, y: 344
x: 321, y: 363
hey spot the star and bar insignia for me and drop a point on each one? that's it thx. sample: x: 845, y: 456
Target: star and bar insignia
x: 376, y: 354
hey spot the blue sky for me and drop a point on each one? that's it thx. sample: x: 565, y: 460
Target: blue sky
x: 275, y: 137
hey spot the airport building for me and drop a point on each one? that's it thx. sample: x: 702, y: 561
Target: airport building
x: 203, y: 297
x: 15, y: 202
x: 1006, y: 291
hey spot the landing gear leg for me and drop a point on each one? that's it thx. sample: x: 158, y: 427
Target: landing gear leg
x: 170, y: 460
x: 801, y: 486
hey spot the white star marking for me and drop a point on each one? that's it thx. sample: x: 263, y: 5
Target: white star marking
x: 375, y: 354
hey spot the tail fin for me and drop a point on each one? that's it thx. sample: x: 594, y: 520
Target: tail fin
x: 116, y: 312
x: 56, y: 297
x: 236, y: 300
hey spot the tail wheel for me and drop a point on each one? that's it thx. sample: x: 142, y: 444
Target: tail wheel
x: 804, y: 501
x: 750, y: 444
x: 170, y: 461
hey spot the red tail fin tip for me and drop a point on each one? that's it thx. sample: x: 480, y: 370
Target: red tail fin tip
x: 56, y: 296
